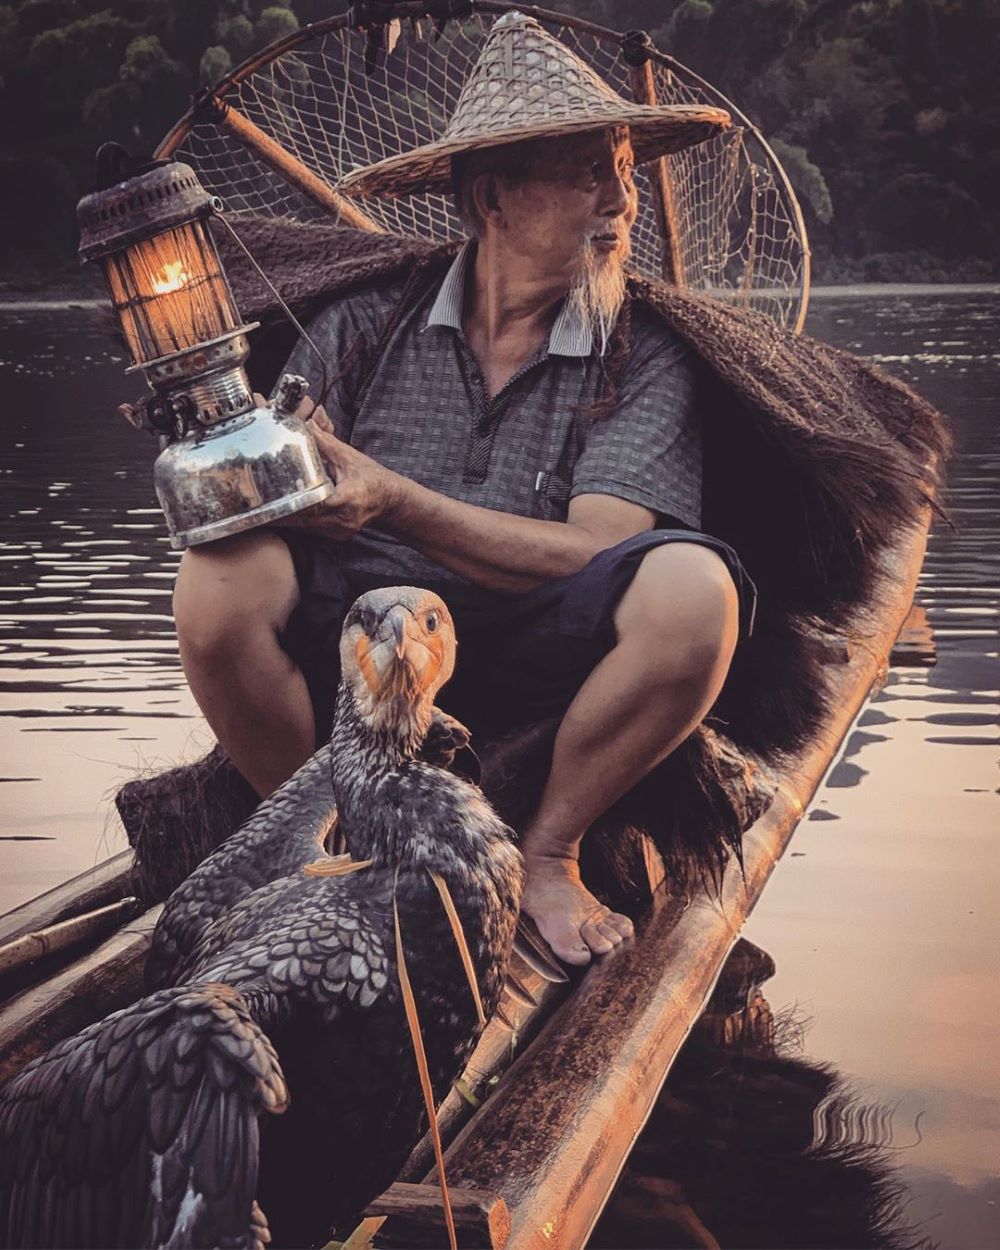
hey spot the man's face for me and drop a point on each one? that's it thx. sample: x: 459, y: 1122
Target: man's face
x: 578, y: 199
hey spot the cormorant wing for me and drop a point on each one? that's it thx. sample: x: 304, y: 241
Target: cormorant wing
x: 320, y: 940
x: 142, y: 1130
x: 283, y: 835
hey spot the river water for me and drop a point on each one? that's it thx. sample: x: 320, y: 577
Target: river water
x: 881, y: 919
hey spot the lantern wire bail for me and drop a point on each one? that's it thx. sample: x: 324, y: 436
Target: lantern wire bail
x: 223, y: 219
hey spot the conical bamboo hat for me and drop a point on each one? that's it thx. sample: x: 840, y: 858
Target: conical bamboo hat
x: 527, y: 85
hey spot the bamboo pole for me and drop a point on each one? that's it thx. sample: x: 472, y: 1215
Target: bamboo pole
x: 290, y: 168
x: 31, y: 946
x: 414, y: 1215
x: 89, y: 989
x: 643, y: 86
x: 105, y: 883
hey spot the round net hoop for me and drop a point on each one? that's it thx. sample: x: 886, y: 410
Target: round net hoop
x: 338, y: 95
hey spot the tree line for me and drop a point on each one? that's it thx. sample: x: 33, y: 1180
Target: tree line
x: 884, y: 112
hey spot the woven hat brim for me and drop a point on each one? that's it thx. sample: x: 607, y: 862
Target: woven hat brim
x: 656, y: 130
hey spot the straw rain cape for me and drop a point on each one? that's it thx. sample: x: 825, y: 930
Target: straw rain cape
x: 813, y: 458
x: 814, y: 461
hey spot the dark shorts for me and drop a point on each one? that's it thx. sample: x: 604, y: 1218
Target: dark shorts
x: 521, y: 657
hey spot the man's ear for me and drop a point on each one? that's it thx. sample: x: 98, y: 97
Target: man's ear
x: 486, y: 197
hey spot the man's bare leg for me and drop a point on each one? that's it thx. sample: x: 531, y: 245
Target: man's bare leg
x: 231, y: 601
x: 677, y: 627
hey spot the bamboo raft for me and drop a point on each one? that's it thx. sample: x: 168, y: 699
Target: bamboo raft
x: 543, y: 1120
x: 541, y: 1124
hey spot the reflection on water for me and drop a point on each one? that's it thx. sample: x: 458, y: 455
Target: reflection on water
x: 91, y: 683
x: 752, y: 1145
x: 881, y: 917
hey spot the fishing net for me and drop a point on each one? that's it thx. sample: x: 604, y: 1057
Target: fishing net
x: 737, y: 226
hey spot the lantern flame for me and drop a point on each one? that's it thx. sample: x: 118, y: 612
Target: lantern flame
x: 172, y: 277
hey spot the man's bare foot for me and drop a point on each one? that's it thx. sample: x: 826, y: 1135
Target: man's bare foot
x: 568, y: 916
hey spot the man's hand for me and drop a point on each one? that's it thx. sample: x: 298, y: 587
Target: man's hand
x: 364, y: 490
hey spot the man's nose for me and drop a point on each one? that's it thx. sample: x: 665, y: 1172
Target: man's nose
x: 617, y: 196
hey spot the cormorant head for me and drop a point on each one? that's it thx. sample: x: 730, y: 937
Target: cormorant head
x: 397, y: 650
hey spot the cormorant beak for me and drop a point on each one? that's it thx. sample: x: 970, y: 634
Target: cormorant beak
x: 396, y: 619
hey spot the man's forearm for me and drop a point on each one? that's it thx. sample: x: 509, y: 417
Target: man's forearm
x: 494, y: 549
x: 498, y: 550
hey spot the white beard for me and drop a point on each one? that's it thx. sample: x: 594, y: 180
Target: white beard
x: 598, y: 292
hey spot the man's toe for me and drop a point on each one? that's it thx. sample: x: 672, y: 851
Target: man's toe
x: 574, y: 954
x: 566, y: 941
x: 623, y: 926
x: 610, y: 932
x: 595, y: 939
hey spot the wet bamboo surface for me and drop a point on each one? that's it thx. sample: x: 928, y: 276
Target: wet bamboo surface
x: 29, y: 947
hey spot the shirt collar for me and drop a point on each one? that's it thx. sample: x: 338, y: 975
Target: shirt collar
x: 571, y: 333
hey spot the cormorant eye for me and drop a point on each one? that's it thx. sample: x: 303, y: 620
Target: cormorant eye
x: 432, y: 622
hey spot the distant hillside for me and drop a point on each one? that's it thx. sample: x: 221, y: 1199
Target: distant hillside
x: 884, y: 112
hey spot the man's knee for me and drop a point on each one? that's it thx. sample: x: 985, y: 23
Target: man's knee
x: 683, y: 604
x: 231, y: 591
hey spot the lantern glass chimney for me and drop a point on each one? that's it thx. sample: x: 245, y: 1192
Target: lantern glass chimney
x: 149, y: 230
x: 169, y: 292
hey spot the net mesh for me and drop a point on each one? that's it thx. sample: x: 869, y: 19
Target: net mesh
x: 735, y: 220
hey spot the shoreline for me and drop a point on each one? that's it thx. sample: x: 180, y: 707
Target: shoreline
x: 64, y: 304
x: 14, y: 302
x: 904, y: 288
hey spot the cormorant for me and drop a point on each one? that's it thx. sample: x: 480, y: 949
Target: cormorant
x: 276, y: 990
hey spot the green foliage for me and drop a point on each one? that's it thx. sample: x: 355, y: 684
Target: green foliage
x: 274, y: 23
x: 892, y: 100
x: 885, y: 113
x: 35, y: 16
x: 147, y: 67
x: 215, y: 63
x: 84, y: 52
x: 42, y: 208
x: 149, y: 82
x: 8, y: 29
x: 236, y: 35
x: 806, y: 178
x: 687, y: 11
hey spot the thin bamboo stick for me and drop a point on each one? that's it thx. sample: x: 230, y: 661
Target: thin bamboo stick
x: 292, y: 170
x: 643, y: 86
x: 90, y: 988
x: 105, y: 883
x: 57, y: 937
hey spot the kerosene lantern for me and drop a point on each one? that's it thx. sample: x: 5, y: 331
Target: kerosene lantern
x: 226, y: 464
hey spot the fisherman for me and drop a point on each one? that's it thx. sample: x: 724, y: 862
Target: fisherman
x: 527, y: 444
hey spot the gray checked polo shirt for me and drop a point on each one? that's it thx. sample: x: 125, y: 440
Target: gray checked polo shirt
x: 531, y: 448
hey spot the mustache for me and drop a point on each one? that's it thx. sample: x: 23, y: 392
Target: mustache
x: 617, y: 231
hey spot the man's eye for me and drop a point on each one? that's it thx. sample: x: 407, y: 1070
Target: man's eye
x: 432, y: 622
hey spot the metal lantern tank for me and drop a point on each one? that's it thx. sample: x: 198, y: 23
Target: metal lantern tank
x: 226, y: 464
